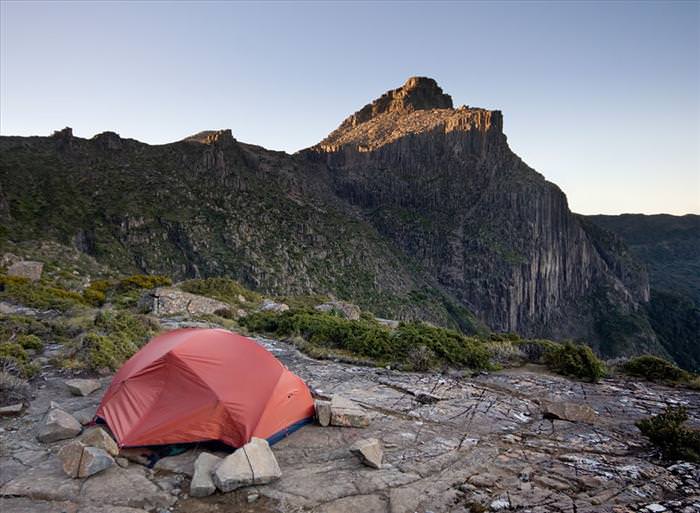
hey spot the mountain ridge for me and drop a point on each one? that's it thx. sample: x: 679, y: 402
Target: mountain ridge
x: 410, y: 210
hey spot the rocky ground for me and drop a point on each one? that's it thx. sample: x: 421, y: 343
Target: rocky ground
x: 452, y: 443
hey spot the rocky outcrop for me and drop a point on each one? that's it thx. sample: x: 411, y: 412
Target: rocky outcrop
x: 443, y: 184
x: 26, y: 269
x: 170, y: 300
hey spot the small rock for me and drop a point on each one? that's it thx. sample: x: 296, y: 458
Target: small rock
x: 253, y: 463
x: 345, y: 413
x: 655, y: 508
x: 12, y: 409
x: 323, y: 412
x: 70, y: 456
x: 499, y: 504
x: 82, y: 387
x: 122, y: 462
x: 370, y: 452
x: 94, y: 460
x: 58, y: 425
x: 202, y: 483
x: 572, y: 412
x: 26, y: 269
x: 252, y: 497
x: 98, y: 437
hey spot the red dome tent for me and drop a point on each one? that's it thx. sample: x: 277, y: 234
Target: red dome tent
x: 193, y: 385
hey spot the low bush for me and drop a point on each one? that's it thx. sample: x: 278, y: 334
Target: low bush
x: 505, y: 353
x: 30, y: 342
x: 38, y: 295
x: 143, y: 281
x: 13, y: 389
x: 223, y: 289
x: 115, y: 337
x: 534, y: 350
x: 653, y: 368
x: 575, y: 360
x: 668, y: 433
x: 94, y: 297
x: 414, y: 346
x: 15, y: 360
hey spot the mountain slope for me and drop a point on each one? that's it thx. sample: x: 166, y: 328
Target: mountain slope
x: 411, y: 208
x: 670, y: 248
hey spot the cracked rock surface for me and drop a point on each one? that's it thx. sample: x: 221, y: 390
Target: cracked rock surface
x: 479, y: 442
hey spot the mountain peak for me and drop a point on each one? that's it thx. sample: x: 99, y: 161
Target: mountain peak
x: 418, y: 93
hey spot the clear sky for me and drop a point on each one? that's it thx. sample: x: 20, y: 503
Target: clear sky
x: 601, y: 98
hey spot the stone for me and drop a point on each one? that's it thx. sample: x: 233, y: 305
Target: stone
x: 82, y: 387
x: 98, y: 437
x: 370, y: 452
x: 122, y: 462
x: 84, y: 416
x: 323, y: 412
x: 254, y: 463
x: 252, y: 497
x: 569, y: 411
x: 94, y: 460
x: 655, y: 508
x: 26, y: 269
x: 164, y: 301
x: 262, y: 461
x: 389, y: 323
x: 12, y: 409
x: 347, y: 310
x: 70, y: 456
x: 202, y: 483
x: 270, y: 306
x: 345, y: 413
x: 58, y: 425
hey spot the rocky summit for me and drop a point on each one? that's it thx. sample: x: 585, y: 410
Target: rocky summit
x: 411, y: 208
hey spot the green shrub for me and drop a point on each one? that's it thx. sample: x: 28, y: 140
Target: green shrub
x: 668, y: 433
x: 534, y: 350
x: 38, y: 295
x: 13, y: 350
x: 116, y: 336
x: 653, y: 368
x: 94, y: 297
x: 143, y: 281
x: 223, y: 289
x: 574, y: 360
x: 371, y: 340
x: 30, y: 342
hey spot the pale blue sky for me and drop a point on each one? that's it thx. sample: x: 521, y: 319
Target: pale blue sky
x: 601, y: 98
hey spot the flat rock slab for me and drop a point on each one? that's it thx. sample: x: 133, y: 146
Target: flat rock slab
x: 572, y: 412
x: 58, y: 425
x: 26, y: 269
x: 254, y: 463
x: 345, y: 413
x: 12, y: 409
x: 82, y: 387
x: 370, y: 451
x: 202, y: 483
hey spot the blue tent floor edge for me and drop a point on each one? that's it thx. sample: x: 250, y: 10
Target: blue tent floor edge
x: 284, y: 433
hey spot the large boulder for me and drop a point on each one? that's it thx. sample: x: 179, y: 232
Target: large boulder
x: 202, y: 482
x: 346, y: 413
x: 572, y: 412
x: 370, y: 452
x: 82, y: 387
x: 347, y: 310
x: 26, y: 269
x: 98, y: 437
x: 252, y: 464
x: 268, y: 305
x: 165, y: 301
x: 58, y: 425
